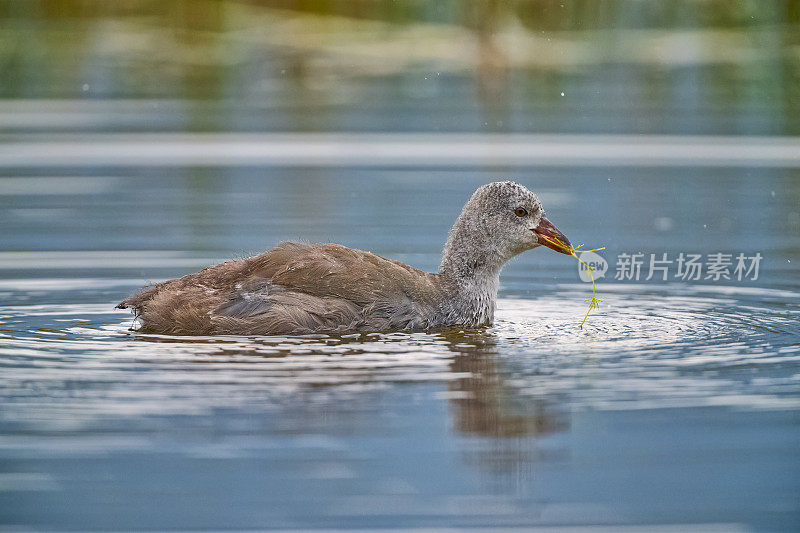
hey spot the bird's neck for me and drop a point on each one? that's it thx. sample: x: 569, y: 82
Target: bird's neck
x: 470, y: 255
x: 471, y: 261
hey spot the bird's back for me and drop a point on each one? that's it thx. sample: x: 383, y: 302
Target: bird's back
x: 293, y: 289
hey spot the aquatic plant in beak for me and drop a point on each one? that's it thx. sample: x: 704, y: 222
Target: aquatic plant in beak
x: 594, y: 302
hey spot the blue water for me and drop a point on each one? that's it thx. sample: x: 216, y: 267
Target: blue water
x: 678, y: 403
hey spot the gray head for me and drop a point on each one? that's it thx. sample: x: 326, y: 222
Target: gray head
x: 501, y: 220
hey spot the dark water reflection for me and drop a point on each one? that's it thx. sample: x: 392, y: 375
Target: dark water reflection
x: 479, y: 398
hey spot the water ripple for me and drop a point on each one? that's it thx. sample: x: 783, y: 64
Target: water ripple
x: 68, y: 367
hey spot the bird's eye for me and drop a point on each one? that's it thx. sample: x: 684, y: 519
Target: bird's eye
x: 521, y: 212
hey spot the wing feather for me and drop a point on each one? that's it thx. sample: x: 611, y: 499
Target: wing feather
x: 293, y: 288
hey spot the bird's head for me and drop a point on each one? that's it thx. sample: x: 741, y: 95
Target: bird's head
x: 500, y: 220
x: 513, y: 219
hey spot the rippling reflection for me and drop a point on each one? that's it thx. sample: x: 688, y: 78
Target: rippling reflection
x: 484, y: 399
x: 399, y: 422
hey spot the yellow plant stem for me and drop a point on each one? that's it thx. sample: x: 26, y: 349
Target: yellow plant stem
x: 594, y: 303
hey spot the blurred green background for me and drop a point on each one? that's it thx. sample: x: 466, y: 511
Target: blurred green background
x: 623, y: 66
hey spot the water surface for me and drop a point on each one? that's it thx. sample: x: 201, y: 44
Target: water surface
x: 676, y: 404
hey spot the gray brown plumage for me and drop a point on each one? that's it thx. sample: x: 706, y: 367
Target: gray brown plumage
x: 309, y: 288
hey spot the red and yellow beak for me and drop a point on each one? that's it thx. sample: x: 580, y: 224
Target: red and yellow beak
x: 550, y: 236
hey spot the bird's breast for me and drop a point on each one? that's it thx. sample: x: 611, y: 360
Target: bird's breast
x: 476, y: 301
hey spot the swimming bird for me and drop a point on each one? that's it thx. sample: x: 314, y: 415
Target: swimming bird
x: 328, y: 288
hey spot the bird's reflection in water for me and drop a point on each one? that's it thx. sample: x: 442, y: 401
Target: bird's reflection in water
x: 484, y: 402
x: 487, y: 395
x: 487, y: 402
